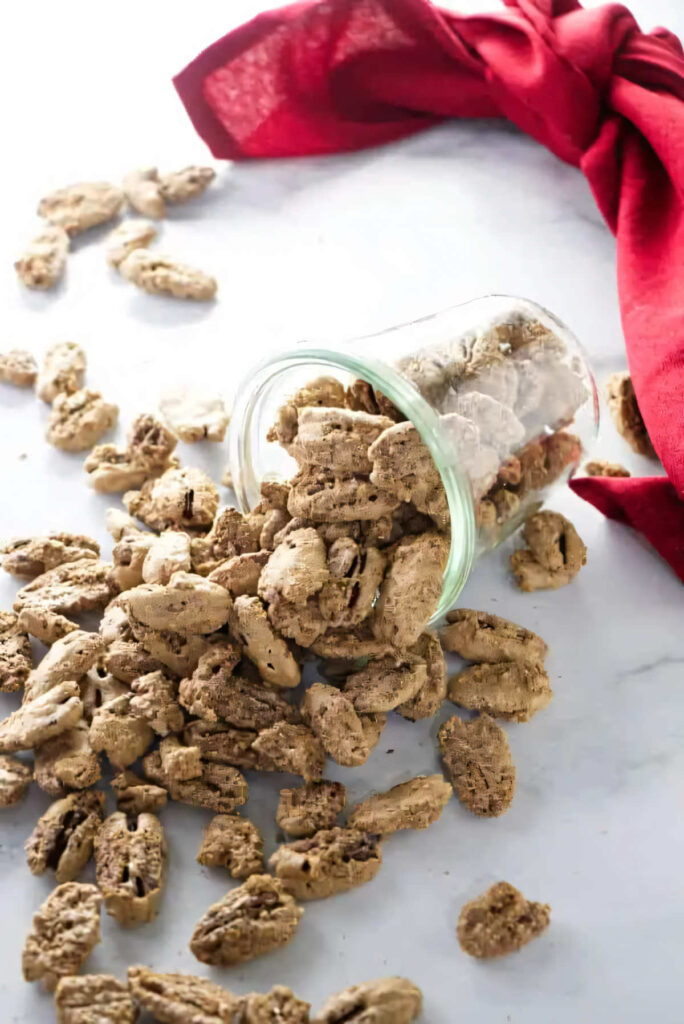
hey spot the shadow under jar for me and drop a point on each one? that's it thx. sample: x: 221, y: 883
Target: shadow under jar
x: 499, y: 389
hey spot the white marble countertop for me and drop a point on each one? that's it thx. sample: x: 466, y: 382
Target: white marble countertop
x: 348, y: 245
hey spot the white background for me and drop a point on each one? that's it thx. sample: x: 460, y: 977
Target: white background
x: 342, y: 246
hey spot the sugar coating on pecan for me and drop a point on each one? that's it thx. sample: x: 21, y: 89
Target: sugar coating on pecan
x: 84, y: 205
x: 481, y: 636
x: 64, y: 835
x: 28, y: 557
x: 16, y: 656
x: 331, y: 861
x: 234, y: 843
x: 39, y: 720
x: 180, y: 498
x: 478, y: 761
x: 94, y: 999
x: 500, y: 921
x: 64, y: 932
x: 413, y: 804
x: 309, y: 808
x: 554, y: 555
x: 385, y: 1001
x: 18, y: 367
x: 513, y: 690
x: 130, y: 863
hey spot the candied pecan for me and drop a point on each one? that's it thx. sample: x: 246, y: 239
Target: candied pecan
x: 181, y: 498
x: 141, y: 188
x: 149, y: 443
x: 348, y: 598
x: 116, y: 730
x: 81, y: 206
x: 128, y: 659
x: 179, y: 762
x: 234, y: 843
x: 70, y: 589
x: 514, y: 690
x: 478, y: 760
x: 155, y: 702
x: 334, y: 721
x: 385, y: 684
x: 291, y: 748
x: 411, y: 589
x: 111, y: 470
x: 165, y: 275
x: 231, y: 534
x: 194, y: 416
x: 480, y: 636
x: 279, y: 1006
x: 402, y: 462
x: 97, y: 688
x: 263, y: 646
x: 68, y: 658
x: 67, y: 761
x: 336, y: 439
x: 350, y: 644
x: 14, y: 780
x: 62, y: 370
x: 65, y: 930
x: 385, y: 1001
x: 500, y: 921
x: 318, y: 495
x: 16, y: 656
x: 94, y: 999
x: 29, y: 557
x: 554, y: 556
x: 63, y: 837
x: 187, y: 604
x: 238, y: 701
x: 168, y: 554
x: 626, y: 415
x: 178, y: 652
x: 240, y: 574
x: 296, y: 570
x: 182, y: 998
x: 78, y: 420
x: 130, y: 864
x: 600, y: 467
x: 256, y: 918
x: 331, y: 861
x: 303, y: 623
x: 134, y: 796
x: 220, y: 788
x: 190, y: 182
x: 48, y: 715
x: 310, y: 808
x: 129, y: 235
x: 432, y: 693
x: 225, y: 744
x: 19, y: 368
x: 413, y: 804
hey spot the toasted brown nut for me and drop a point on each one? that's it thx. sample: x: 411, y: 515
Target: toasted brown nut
x: 513, y: 690
x: 237, y: 701
x: 129, y: 235
x: 67, y: 761
x: 141, y: 188
x: 479, y: 636
x: 384, y: 684
x: 334, y: 860
x: 47, y: 626
x: 62, y: 371
x: 127, y: 660
x: 134, y: 796
x: 600, y: 467
x: 500, y: 921
x: 478, y: 761
x: 182, y: 998
x: 220, y: 788
x: 556, y: 553
x: 181, y: 498
x: 168, y: 554
x: 179, y: 762
x: 16, y: 656
x: 84, y: 205
x: 411, y: 589
x: 187, y: 604
x: 240, y: 574
x: 291, y: 748
x: 130, y: 861
x: 386, y: 1001
x: 225, y: 744
x: 155, y: 702
x: 263, y: 646
x: 625, y: 413
x: 29, y: 557
x: 14, y: 780
x: 432, y: 693
x: 332, y: 718
x: 318, y: 495
x: 63, y: 837
x: 231, y: 534
x: 180, y: 186
x: 256, y: 918
x: 413, y: 804
x: 41, y: 719
x: 19, y: 368
x: 65, y: 930
x: 296, y: 570
x: 310, y: 808
x: 94, y: 999
x: 234, y: 843
x: 68, y: 658
x: 70, y: 589
x: 79, y: 420
x: 194, y: 416
x: 115, y: 730
x: 165, y: 275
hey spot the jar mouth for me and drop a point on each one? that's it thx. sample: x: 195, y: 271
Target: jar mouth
x: 407, y: 399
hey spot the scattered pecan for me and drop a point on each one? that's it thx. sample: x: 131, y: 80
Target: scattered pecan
x: 187, y: 604
x: 29, y: 557
x: 165, y: 275
x: 234, y: 843
x: 600, y: 467
x: 79, y: 207
x: 178, y: 761
x: 500, y: 921
x: 411, y: 589
x: 48, y: 715
x: 310, y: 808
x: 67, y: 761
x: 70, y: 589
x: 78, y: 420
x: 134, y: 796
x: 16, y: 656
x: 626, y: 415
x: 554, y: 556
x: 291, y: 748
x: 15, y: 778
x: 478, y: 761
x: 432, y: 693
x: 94, y: 999
x: 220, y: 788
x: 63, y: 837
x: 181, y: 498
x: 413, y: 804
x: 19, y: 368
x: 116, y: 730
x: 263, y: 645
x: 240, y: 574
x: 129, y: 235
x: 331, y: 861
x: 383, y: 685
x: 195, y: 417
x: 333, y: 719
x: 65, y: 930
x: 68, y: 658
x: 130, y: 862
x: 155, y: 702
x: 231, y: 534
x: 514, y: 690
x: 62, y: 370
x: 182, y: 998
x: 480, y: 636
x: 386, y: 1001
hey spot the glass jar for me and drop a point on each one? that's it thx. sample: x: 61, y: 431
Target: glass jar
x: 499, y: 389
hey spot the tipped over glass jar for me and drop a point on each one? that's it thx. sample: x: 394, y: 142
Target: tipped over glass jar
x: 499, y: 390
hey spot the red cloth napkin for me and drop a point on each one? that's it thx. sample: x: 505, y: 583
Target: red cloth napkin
x: 341, y: 74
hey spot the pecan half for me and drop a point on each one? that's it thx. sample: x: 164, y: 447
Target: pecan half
x: 513, y: 690
x: 63, y: 837
x: 479, y: 636
x: 41, y: 719
x: 478, y: 760
x: 385, y: 1001
x: 182, y: 998
x: 65, y: 930
x: 310, y: 808
x: 413, y: 804
x: 331, y: 861
x: 94, y: 999
x: 130, y: 862
x: 234, y: 843
x: 500, y: 921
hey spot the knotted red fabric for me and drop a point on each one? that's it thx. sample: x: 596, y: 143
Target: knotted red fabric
x: 320, y: 77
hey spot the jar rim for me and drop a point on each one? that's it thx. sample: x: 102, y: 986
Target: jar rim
x: 410, y: 402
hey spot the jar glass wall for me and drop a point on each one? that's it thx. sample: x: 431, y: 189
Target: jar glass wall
x: 498, y: 388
